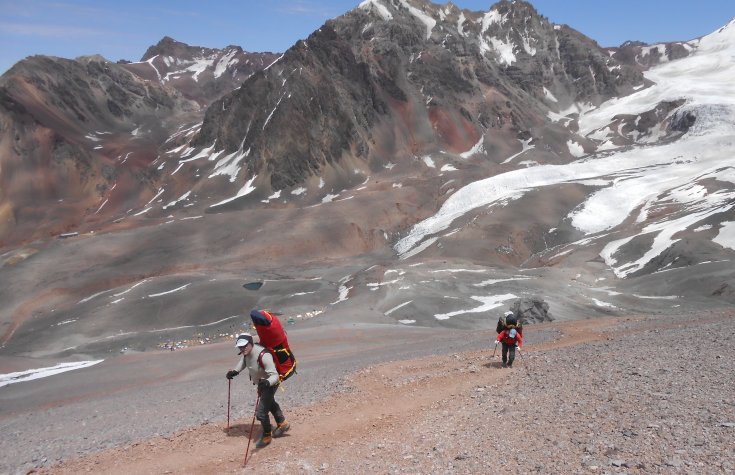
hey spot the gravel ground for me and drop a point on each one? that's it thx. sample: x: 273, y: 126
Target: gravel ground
x: 641, y: 394
x: 654, y: 396
x: 656, y: 401
x: 121, y: 402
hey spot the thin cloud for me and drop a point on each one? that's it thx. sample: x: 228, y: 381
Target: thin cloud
x: 82, y: 10
x: 48, y: 31
x: 37, y: 9
x: 307, y: 8
x: 162, y: 12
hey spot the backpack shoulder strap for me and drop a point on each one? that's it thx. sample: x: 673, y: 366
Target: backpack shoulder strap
x: 260, y: 358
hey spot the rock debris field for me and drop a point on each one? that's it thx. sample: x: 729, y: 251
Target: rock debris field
x: 637, y: 394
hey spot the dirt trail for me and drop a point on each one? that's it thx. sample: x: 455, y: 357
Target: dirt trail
x: 377, y: 399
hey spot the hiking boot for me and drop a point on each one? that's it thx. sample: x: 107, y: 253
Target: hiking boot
x: 504, y: 365
x: 282, y: 427
x: 510, y: 365
x: 264, y: 440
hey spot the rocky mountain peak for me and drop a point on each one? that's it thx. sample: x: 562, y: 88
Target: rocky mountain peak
x: 201, y: 74
x: 516, y: 9
x: 92, y: 58
x: 387, y: 57
x: 171, y: 48
x: 633, y: 44
x: 168, y: 47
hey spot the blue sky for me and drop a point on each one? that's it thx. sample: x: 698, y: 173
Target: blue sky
x: 125, y: 29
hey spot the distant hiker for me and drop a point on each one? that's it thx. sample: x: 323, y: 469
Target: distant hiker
x: 262, y: 371
x: 510, y: 339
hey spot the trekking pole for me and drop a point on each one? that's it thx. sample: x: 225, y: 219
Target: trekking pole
x: 229, y: 386
x: 250, y: 436
x: 496, y: 349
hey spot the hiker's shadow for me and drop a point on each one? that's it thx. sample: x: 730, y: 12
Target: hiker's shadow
x: 243, y: 430
x: 239, y: 430
x: 493, y: 364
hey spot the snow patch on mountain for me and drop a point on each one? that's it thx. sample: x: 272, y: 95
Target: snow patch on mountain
x: 245, y: 190
x: 423, y: 17
x: 29, y: 375
x: 549, y: 96
x: 375, y: 5
x: 525, y: 146
x: 225, y: 62
x: 479, y: 147
x: 230, y: 165
x: 488, y: 303
x: 493, y: 17
x: 150, y: 62
x: 460, y: 24
x: 183, y: 197
x: 575, y: 148
x: 726, y: 235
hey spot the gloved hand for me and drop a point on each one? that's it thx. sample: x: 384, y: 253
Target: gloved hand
x: 497, y: 342
x: 262, y: 384
x: 231, y: 374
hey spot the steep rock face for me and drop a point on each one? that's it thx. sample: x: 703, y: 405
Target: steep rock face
x: 330, y: 99
x: 404, y: 78
x: 538, y: 55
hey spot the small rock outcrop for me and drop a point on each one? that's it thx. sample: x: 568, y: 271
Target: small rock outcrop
x: 531, y: 310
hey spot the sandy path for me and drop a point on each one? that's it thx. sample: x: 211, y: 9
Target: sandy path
x: 377, y: 399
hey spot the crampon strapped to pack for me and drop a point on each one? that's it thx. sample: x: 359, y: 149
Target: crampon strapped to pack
x: 273, y: 338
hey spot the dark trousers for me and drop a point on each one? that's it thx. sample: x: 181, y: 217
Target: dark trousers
x: 509, y: 353
x: 268, y: 405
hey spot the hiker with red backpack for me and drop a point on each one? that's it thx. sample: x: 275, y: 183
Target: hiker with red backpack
x: 263, y: 373
x: 510, y: 334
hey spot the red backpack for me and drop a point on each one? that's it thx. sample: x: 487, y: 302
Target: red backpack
x: 273, y: 338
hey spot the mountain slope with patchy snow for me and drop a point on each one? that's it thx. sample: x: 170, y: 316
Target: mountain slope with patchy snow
x: 648, y: 196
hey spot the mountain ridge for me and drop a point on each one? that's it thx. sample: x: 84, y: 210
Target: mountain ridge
x: 388, y: 91
x: 84, y: 123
